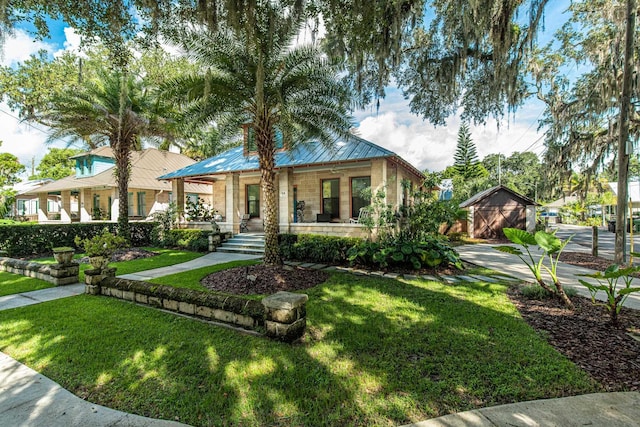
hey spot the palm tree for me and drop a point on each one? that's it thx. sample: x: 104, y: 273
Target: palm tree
x: 253, y: 76
x: 114, y: 109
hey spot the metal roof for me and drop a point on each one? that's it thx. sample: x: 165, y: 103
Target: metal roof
x: 307, y: 154
x: 146, y: 165
x: 486, y: 193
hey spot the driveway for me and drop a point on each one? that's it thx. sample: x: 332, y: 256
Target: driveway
x: 582, y: 239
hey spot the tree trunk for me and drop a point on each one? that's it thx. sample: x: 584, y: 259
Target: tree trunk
x: 122, y: 155
x: 623, y: 155
x: 266, y: 157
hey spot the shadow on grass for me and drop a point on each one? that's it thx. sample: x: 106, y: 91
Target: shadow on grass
x: 377, y: 352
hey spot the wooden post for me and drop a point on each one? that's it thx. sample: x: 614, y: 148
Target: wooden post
x: 594, y: 241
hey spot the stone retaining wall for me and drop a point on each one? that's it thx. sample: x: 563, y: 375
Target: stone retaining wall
x: 58, y: 274
x: 280, y: 316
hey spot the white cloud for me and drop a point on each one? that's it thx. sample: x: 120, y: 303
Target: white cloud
x: 18, y: 48
x: 427, y: 147
x: 21, y: 139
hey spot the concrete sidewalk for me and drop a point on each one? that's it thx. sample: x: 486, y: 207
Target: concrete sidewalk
x: 600, y: 409
x: 28, y: 399
x: 212, y: 258
x: 486, y: 256
x: 42, y: 295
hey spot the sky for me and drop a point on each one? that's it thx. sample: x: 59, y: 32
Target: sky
x: 393, y: 126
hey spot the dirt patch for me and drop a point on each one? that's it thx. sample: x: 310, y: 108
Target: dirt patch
x: 586, y: 337
x: 582, y: 259
x: 262, y: 279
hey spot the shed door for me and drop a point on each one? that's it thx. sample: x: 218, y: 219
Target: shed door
x: 489, y: 221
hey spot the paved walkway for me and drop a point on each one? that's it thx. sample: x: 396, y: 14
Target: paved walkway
x: 30, y: 399
x: 485, y: 256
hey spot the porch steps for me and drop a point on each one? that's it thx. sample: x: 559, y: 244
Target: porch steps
x: 244, y: 243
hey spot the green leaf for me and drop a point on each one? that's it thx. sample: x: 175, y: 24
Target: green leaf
x: 519, y: 237
x: 406, y: 249
x: 548, y: 242
x: 628, y: 291
x: 508, y: 249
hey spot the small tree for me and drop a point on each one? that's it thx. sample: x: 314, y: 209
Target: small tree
x: 552, y: 248
x: 466, y: 157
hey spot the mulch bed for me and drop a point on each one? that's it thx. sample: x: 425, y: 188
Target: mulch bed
x: 586, y: 337
x: 262, y: 279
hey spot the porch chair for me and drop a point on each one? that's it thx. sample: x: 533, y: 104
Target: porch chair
x: 244, y: 223
x: 363, y: 213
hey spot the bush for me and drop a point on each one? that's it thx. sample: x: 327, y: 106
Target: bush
x: 193, y: 240
x: 316, y: 248
x: 33, y: 239
x: 430, y: 252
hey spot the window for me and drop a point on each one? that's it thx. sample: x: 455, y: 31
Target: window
x: 357, y: 200
x: 331, y: 197
x: 142, y: 205
x: 22, y: 207
x: 253, y: 200
x: 130, y: 203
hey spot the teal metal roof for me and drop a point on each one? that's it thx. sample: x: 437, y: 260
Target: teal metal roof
x: 309, y: 154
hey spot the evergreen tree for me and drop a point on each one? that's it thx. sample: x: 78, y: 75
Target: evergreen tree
x: 466, y: 161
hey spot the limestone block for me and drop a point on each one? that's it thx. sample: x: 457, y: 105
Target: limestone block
x: 155, y: 302
x: 285, y: 307
x: 223, y: 316
x: 92, y: 289
x: 203, y: 311
x: 128, y: 295
x: 116, y: 293
x: 170, y: 304
x: 187, y: 308
x: 244, y: 321
x: 61, y: 281
x: 142, y: 298
x: 287, y: 333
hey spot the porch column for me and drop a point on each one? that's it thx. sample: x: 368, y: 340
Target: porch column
x: 379, y: 178
x: 232, y: 204
x: 85, y: 205
x: 177, y: 187
x: 42, y: 207
x: 65, y: 209
x: 115, y: 204
x: 285, y: 199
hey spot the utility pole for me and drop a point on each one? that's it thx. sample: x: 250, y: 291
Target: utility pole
x: 623, y: 141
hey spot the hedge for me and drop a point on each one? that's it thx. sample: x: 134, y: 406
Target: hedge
x: 34, y: 239
x: 316, y: 248
x: 191, y: 239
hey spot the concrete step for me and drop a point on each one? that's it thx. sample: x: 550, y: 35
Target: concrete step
x: 240, y: 250
x: 245, y: 243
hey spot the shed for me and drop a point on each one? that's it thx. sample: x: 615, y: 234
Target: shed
x: 496, y: 208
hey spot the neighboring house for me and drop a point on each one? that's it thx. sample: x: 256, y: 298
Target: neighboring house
x: 91, y: 194
x: 26, y: 206
x: 328, y: 181
x: 496, y: 208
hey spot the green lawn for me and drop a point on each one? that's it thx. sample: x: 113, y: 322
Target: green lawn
x: 15, y: 284
x: 164, y: 258
x: 377, y: 352
x: 191, y: 279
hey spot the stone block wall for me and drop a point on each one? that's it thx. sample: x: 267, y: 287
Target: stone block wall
x: 58, y: 274
x: 281, y: 316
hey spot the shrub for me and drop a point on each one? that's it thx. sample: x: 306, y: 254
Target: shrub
x: 32, y: 239
x: 104, y: 244
x: 316, y: 248
x: 430, y: 252
x: 194, y: 240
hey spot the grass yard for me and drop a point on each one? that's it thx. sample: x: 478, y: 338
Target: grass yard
x: 14, y: 284
x: 377, y: 352
x: 164, y: 258
x: 191, y: 279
